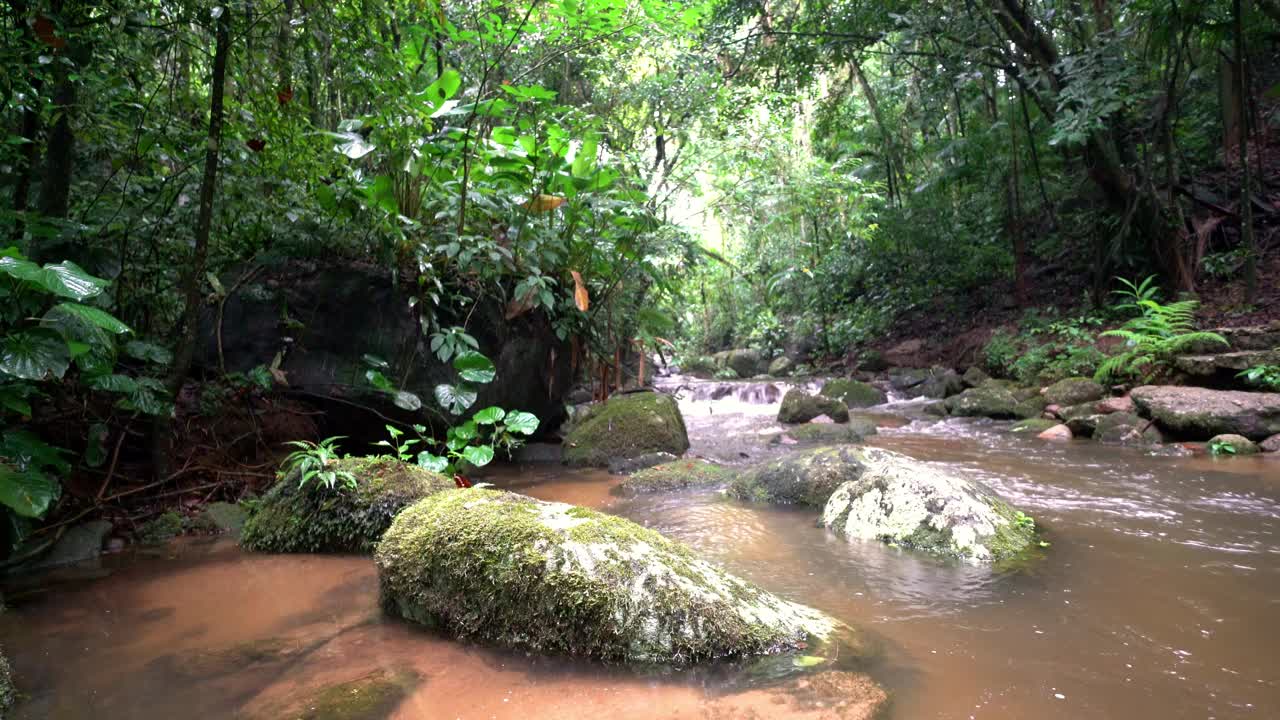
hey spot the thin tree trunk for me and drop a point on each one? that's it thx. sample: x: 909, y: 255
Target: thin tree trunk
x: 1246, y: 193
x: 195, y: 269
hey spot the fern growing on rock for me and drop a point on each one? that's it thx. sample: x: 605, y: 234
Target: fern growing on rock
x: 1155, y: 336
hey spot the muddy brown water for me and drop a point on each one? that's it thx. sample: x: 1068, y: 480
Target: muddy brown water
x: 1158, y: 598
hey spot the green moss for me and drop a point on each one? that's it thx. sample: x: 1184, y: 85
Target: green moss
x: 927, y: 538
x: 1015, y: 538
x: 627, y: 426
x: 369, y: 698
x: 799, y: 406
x: 853, y: 393
x: 513, y: 571
x: 808, y: 477
x: 674, y: 476
x: 319, y: 519
x: 854, y: 431
x: 161, y: 529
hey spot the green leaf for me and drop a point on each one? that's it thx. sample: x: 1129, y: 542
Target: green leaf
x: 114, y: 383
x: 455, y: 398
x: 34, y: 355
x: 478, y: 455
x: 406, y: 400
x: 379, y: 381
x: 434, y: 463
x: 91, y: 315
x: 148, y: 351
x: 27, y: 492
x: 95, y: 450
x: 475, y: 367
x: 14, y: 398
x: 65, y: 279
x: 465, y: 431
x: 805, y: 661
x: 522, y: 422
x: 352, y: 144
x: 490, y: 416
x: 374, y: 361
x: 443, y: 88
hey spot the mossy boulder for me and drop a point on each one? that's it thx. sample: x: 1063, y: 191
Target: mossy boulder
x: 806, y: 477
x: 1125, y: 429
x: 746, y: 363
x: 853, y: 393
x: 1233, y: 445
x: 782, y: 366
x: 854, y: 431
x: 1033, y: 426
x: 701, y: 366
x: 1074, y: 391
x: 974, y: 376
x: 314, y: 519
x: 799, y: 406
x: 899, y: 500
x: 988, y: 400
x: 375, y: 696
x: 161, y: 529
x: 552, y: 578
x: 676, y: 475
x: 627, y: 426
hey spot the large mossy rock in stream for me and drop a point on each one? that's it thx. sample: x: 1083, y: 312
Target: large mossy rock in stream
x: 853, y: 393
x: 799, y: 406
x: 624, y: 427
x: 676, y: 475
x: 806, y: 477
x: 1200, y: 413
x: 988, y: 400
x: 320, y: 320
x: 904, y: 502
x: 552, y: 578
x: 1074, y: 391
x: 746, y: 363
x: 316, y: 519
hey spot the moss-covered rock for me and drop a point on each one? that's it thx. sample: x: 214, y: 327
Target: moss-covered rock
x: 1074, y: 391
x: 782, y: 366
x: 627, y: 426
x: 676, y: 475
x: 1124, y: 429
x: 701, y: 366
x: 988, y: 400
x: 1033, y: 426
x: 807, y: 477
x: 375, y: 696
x: 974, y: 376
x: 799, y: 406
x: 854, y: 431
x: 1229, y: 444
x: 161, y: 529
x: 557, y: 579
x: 853, y: 393
x: 745, y: 363
x: 338, y: 520
x: 899, y: 500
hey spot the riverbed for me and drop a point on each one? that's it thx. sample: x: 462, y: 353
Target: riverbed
x: 1157, y: 598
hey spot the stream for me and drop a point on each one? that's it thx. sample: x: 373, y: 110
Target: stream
x: 1158, y: 598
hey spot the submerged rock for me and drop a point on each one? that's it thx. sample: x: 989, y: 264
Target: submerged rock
x: 1201, y: 413
x: 1057, y: 433
x: 557, y: 579
x: 807, y: 477
x: 1125, y: 429
x: 676, y: 475
x: 854, y: 431
x: 376, y: 696
x: 625, y: 427
x: 899, y: 500
x: 627, y: 466
x: 1233, y: 445
x: 853, y: 393
x: 338, y: 520
x: 1074, y: 391
x: 799, y: 406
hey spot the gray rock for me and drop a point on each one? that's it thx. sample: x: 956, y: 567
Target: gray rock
x: 79, y: 544
x: 853, y: 393
x: 1057, y: 433
x: 1126, y: 429
x: 1228, y: 363
x: 799, y: 406
x: 626, y: 466
x: 1074, y: 391
x: 974, y: 376
x: 900, y: 500
x: 627, y: 426
x: 781, y: 366
x: 807, y: 477
x: 1201, y: 413
x: 989, y: 400
x: 534, y: 453
x: 1233, y: 445
x: 1270, y: 445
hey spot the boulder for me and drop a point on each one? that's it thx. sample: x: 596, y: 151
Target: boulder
x: 80, y: 544
x: 339, y: 313
x: 854, y: 431
x: 1074, y: 391
x: 806, y: 477
x: 161, y: 529
x: 224, y: 517
x: 1125, y: 429
x: 937, y: 408
x: 872, y: 361
x: 627, y: 426
x: 746, y: 363
x: 1033, y: 426
x: 700, y: 366
x: 1225, y: 364
x: 317, y: 519
x: 989, y: 400
x: 1270, y: 445
x: 781, y: 366
x: 799, y: 406
x: 902, y: 501
x: 676, y: 475
x: 941, y: 383
x: 853, y: 393
x: 1057, y: 433
x: 1201, y: 413
x: 904, y: 379
x: 627, y: 466
x: 1114, y: 405
x: 552, y: 578
x: 1229, y: 444
x: 974, y: 376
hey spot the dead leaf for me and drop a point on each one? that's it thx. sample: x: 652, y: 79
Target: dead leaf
x: 580, y: 295
x: 544, y: 203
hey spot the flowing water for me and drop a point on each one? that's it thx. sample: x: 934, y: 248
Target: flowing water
x: 1158, y: 598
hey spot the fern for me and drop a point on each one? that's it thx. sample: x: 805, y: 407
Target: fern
x: 1155, y: 336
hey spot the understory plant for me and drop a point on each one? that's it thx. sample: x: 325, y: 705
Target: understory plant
x: 1152, y: 338
x: 315, y: 462
x: 1265, y: 377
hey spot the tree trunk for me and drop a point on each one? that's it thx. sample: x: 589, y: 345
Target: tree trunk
x: 195, y: 268
x: 1246, y: 193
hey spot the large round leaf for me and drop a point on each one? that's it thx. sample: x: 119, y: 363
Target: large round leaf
x: 490, y: 416
x: 90, y: 315
x: 27, y: 492
x: 34, y: 355
x: 455, y: 398
x: 66, y: 278
x: 478, y: 455
x: 522, y: 422
x: 475, y: 367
